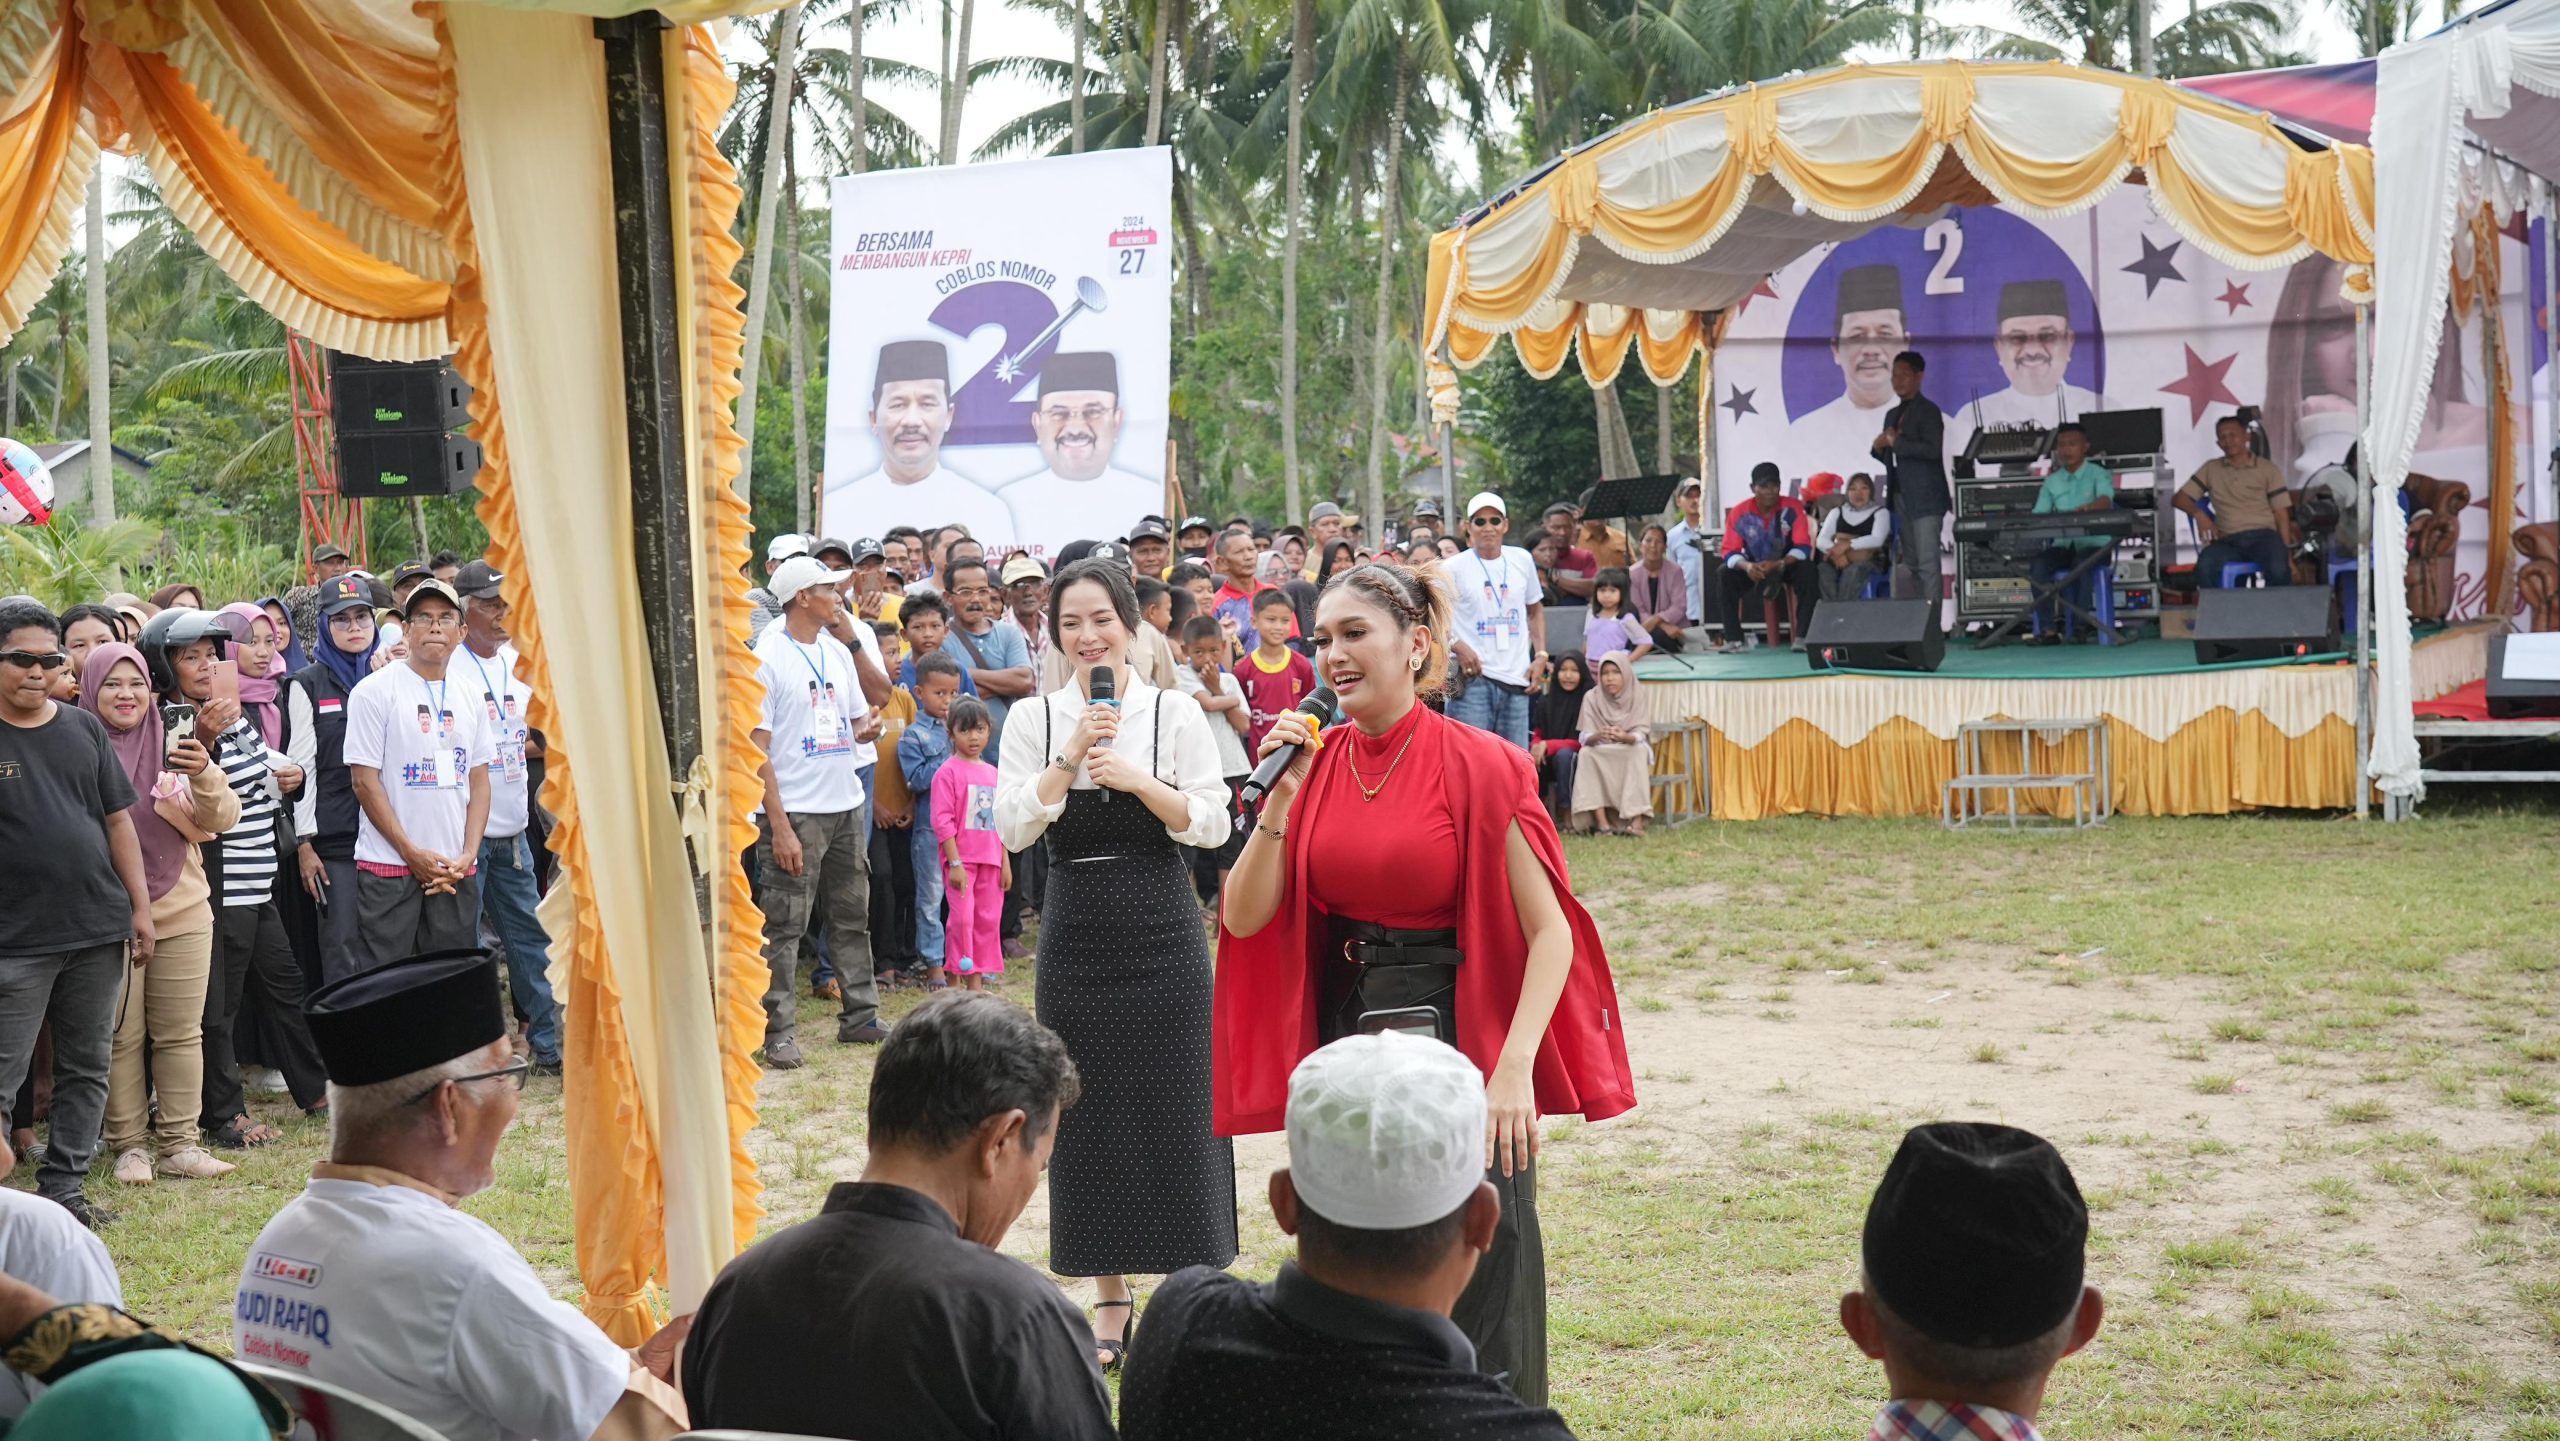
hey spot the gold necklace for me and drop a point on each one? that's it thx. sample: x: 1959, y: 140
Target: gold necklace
x: 1369, y: 792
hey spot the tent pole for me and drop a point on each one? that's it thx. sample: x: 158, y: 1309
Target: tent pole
x: 2551, y: 339
x: 645, y: 284
x: 2364, y: 572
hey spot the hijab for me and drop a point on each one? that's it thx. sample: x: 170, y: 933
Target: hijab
x: 142, y: 751
x: 1557, y: 712
x: 258, y: 693
x: 1623, y: 711
x: 348, y: 666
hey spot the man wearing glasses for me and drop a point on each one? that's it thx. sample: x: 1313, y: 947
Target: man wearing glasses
x: 418, y: 750
x: 373, y: 1281
x: 1501, y: 642
x: 75, y: 874
x: 1077, y: 423
x: 2034, y: 344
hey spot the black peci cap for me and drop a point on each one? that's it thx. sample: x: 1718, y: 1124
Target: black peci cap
x: 1977, y: 1235
x: 394, y: 1020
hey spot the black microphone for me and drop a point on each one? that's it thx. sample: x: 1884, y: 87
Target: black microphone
x: 1322, y: 705
x: 1099, y: 685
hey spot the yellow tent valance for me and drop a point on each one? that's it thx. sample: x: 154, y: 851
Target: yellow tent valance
x: 1627, y: 243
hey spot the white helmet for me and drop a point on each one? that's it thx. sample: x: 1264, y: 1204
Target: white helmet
x: 26, y: 487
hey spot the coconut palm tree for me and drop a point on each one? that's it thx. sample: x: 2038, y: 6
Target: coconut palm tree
x: 2210, y: 39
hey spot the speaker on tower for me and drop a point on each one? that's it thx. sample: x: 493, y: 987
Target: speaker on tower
x: 398, y: 426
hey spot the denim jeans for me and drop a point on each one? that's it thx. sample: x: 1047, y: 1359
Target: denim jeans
x: 928, y: 858
x: 80, y: 989
x: 1489, y: 705
x: 2262, y: 546
x: 507, y: 896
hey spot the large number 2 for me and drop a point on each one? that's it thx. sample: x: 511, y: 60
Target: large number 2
x: 988, y: 409
x: 1947, y: 238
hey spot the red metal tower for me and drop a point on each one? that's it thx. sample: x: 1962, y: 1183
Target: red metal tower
x: 327, y: 516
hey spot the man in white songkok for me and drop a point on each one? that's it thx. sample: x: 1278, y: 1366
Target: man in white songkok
x: 1386, y: 1194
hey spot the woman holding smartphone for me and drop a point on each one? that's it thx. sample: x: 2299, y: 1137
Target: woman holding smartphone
x: 1122, y: 779
x: 183, y: 801
x: 1403, y: 875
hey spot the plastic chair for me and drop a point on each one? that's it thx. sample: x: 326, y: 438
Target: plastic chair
x: 2102, y: 582
x: 2234, y: 572
x: 334, y: 1413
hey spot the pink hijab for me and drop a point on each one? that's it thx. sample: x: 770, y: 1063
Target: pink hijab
x: 258, y: 693
x: 142, y: 751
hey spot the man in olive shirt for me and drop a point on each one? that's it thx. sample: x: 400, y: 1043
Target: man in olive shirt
x: 2252, y: 516
x: 2075, y: 484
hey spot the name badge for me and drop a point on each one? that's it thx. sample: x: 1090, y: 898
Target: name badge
x: 826, y: 723
x: 448, y: 775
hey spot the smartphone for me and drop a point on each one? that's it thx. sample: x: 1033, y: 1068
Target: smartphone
x: 226, y: 681
x: 1420, y: 1021
x: 178, y: 720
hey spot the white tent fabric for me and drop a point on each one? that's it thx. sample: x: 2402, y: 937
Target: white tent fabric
x: 2491, y: 80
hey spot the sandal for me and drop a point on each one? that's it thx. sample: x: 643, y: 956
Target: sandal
x: 240, y: 1133
x: 1115, y: 1347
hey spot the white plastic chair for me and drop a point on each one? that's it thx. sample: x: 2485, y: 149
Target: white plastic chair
x: 323, y: 1412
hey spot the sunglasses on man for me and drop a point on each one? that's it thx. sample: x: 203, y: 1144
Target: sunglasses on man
x: 34, y: 660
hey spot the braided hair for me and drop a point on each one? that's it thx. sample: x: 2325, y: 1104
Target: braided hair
x: 1410, y: 595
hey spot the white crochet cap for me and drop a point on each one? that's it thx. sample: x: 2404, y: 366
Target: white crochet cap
x: 1385, y: 1131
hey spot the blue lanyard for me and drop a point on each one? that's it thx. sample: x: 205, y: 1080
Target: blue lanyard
x: 814, y: 668
x: 435, y: 697
x: 497, y: 694
x: 1501, y: 593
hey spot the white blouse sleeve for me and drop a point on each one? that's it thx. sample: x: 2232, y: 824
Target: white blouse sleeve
x: 302, y: 746
x: 1194, y: 771
x: 1026, y: 752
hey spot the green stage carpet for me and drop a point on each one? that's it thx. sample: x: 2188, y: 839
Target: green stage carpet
x: 1963, y: 662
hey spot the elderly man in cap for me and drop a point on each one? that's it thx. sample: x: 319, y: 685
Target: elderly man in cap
x: 1386, y: 1194
x: 910, y: 414
x: 1689, y: 540
x: 1869, y: 326
x: 1324, y: 527
x: 330, y: 561
x: 1975, y: 1250
x: 418, y: 751
x: 372, y: 1280
x: 891, y: 1315
x: 489, y: 668
x: 1151, y: 547
x: 2034, y: 343
x: 1076, y: 422
x: 817, y: 731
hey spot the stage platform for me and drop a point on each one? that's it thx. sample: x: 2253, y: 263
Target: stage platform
x: 1764, y: 734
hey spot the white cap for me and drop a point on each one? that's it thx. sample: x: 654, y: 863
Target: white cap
x: 801, y: 572
x: 1385, y: 1131
x: 783, y: 547
x: 1485, y: 498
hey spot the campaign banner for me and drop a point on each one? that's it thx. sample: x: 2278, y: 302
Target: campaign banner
x: 1000, y: 348
x: 2039, y: 321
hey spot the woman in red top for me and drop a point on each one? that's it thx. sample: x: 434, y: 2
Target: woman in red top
x: 1403, y: 873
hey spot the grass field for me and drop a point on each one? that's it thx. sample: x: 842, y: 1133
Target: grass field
x: 2306, y: 1071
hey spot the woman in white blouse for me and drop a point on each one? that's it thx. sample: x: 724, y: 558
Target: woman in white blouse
x: 1139, y: 1183
x: 1851, y: 543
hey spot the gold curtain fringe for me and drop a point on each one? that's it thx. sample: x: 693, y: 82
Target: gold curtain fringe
x: 620, y: 1224
x: 711, y: 209
x: 232, y: 98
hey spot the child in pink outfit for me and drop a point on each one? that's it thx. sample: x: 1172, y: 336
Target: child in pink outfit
x: 975, y: 867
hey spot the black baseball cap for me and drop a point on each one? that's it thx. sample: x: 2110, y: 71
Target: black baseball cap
x: 839, y: 547
x: 864, y: 549
x: 478, y: 580
x: 1191, y: 523
x: 331, y: 552
x: 1148, y: 529
x: 1110, y: 550
x: 409, y: 570
x: 345, y: 592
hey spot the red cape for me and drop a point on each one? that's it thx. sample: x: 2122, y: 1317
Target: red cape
x: 1267, y: 991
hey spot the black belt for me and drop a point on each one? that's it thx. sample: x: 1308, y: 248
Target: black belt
x: 1366, y: 944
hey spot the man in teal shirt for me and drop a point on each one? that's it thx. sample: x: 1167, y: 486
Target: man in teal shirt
x: 2075, y: 484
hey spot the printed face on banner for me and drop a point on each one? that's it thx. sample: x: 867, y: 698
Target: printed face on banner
x: 2042, y: 321
x: 1008, y: 377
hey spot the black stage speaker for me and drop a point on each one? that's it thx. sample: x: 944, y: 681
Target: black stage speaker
x: 2517, y: 699
x: 397, y: 425
x: 1875, y: 635
x: 2268, y: 624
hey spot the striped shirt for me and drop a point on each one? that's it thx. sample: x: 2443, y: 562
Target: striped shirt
x: 249, y: 857
x: 1931, y: 1421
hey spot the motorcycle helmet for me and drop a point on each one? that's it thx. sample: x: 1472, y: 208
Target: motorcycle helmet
x: 171, y: 631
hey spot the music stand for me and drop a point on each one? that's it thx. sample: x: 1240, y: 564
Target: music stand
x: 1645, y: 495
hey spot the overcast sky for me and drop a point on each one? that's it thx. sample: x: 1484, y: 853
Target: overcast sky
x: 1003, y: 30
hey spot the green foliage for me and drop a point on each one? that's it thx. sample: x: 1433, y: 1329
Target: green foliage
x: 63, y: 562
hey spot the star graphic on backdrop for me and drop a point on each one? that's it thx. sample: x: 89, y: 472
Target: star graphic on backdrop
x: 2234, y: 295
x: 1763, y: 288
x: 1740, y: 403
x: 2203, y: 385
x: 2158, y: 263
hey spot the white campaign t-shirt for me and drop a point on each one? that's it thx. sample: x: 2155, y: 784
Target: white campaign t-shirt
x: 425, y: 737
x: 387, y: 1291
x: 41, y: 1245
x: 501, y: 694
x: 1494, y: 597
x: 812, y: 703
